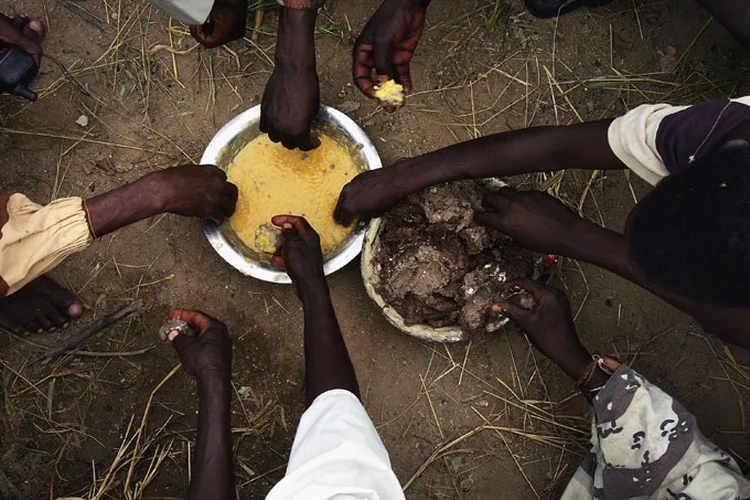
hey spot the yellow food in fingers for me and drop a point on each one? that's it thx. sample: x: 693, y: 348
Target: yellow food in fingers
x: 390, y: 93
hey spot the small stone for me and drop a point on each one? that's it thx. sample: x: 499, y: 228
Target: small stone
x: 245, y: 392
x: 348, y: 106
x: 83, y: 121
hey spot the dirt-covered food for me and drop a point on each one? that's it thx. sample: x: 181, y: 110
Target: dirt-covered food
x: 440, y: 268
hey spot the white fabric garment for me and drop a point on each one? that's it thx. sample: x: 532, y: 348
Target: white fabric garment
x: 337, y: 455
x: 632, y: 138
x: 186, y: 11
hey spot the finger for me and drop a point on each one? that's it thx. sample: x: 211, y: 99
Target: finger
x: 28, y: 45
x: 535, y: 289
x: 288, y: 142
x: 263, y: 121
x: 231, y: 195
x: 299, y: 224
x: 274, y: 136
x: 198, y: 320
x: 491, y: 219
x: 362, y: 68
x: 34, y: 30
x: 497, y: 202
x: 383, y: 56
x: 307, y: 142
x: 513, y: 311
x: 218, y: 170
x: 339, y: 214
x: 526, y: 284
x: 182, y: 343
x: 403, y: 76
x: 20, y: 21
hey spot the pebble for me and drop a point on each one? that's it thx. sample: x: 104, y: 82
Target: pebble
x: 83, y: 121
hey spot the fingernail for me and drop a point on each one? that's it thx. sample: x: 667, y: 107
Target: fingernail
x: 287, y: 225
x: 65, y: 326
x: 497, y: 308
x: 35, y: 25
x: 173, y: 334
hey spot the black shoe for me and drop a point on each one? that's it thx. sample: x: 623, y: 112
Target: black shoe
x: 551, y: 8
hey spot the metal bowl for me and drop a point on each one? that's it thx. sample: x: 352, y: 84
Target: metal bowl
x: 234, y: 136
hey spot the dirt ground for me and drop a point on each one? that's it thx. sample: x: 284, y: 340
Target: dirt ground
x: 479, y: 70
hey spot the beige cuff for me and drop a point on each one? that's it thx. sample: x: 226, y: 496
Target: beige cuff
x: 36, y: 239
x: 632, y: 138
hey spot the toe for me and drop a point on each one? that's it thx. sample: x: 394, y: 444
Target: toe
x: 64, y: 300
x: 55, y: 316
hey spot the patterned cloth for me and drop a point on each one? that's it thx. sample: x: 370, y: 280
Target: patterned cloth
x: 647, y: 445
x: 35, y: 239
x: 302, y: 4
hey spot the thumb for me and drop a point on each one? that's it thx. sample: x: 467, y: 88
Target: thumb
x: 492, y: 219
x: 182, y: 344
x: 513, y: 311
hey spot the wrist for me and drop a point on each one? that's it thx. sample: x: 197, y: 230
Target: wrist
x: 296, y: 41
x: 575, y: 361
x: 155, y: 191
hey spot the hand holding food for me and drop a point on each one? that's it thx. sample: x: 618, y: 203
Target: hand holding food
x: 385, y: 48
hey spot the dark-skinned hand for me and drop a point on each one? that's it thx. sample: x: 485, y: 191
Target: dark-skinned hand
x: 226, y: 23
x: 210, y: 350
x: 549, y: 325
x: 533, y: 219
x: 290, y: 102
x: 386, y: 46
x: 195, y: 191
x: 300, y: 255
x: 26, y: 33
x: 370, y: 193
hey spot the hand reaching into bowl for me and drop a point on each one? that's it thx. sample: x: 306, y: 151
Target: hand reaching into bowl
x: 301, y: 256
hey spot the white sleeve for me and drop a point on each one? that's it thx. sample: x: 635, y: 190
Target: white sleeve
x: 632, y: 138
x: 337, y: 454
x: 186, y: 11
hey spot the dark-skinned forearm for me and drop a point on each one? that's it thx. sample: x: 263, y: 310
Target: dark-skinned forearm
x: 296, y: 42
x: 597, y: 245
x: 125, y: 205
x: 213, y: 475
x: 536, y: 149
x: 327, y: 362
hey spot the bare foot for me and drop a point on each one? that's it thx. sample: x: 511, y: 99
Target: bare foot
x: 40, y: 305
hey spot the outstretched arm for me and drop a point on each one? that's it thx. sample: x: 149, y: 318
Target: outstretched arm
x: 327, y: 362
x: 208, y: 358
x: 537, y: 149
x: 191, y: 190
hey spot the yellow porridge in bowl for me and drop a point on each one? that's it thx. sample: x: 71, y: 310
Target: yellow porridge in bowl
x: 273, y: 180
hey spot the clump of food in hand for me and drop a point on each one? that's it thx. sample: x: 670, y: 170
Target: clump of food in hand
x: 438, y: 267
x: 390, y: 94
x: 268, y: 238
x: 273, y: 180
